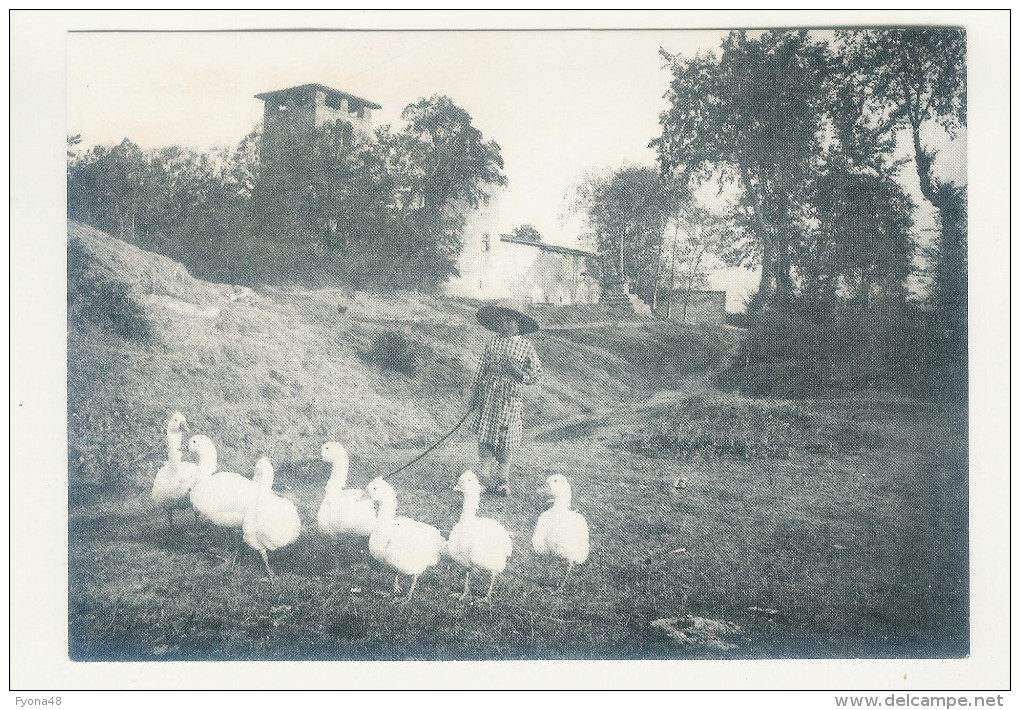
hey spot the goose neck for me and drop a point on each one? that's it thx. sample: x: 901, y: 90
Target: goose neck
x: 387, y: 509
x: 562, y: 500
x: 470, y: 508
x: 338, y: 475
x: 265, y: 482
x: 174, y: 441
x: 207, y: 463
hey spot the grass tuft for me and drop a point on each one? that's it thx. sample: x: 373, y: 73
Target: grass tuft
x: 746, y: 430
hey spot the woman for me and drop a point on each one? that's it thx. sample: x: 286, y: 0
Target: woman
x: 508, y: 363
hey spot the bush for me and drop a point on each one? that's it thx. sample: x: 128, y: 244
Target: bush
x: 392, y: 350
x: 738, y: 319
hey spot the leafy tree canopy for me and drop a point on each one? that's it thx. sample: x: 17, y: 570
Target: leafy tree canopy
x: 526, y: 233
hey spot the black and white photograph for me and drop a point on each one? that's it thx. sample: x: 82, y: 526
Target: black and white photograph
x: 562, y: 343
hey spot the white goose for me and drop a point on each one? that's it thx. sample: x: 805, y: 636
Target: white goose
x: 560, y: 531
x: 478, y: 542
x: 175, y: 478
x: 402, y: 544
x: 345, y: 512
x: 220, y: 496
x: 271, y: 521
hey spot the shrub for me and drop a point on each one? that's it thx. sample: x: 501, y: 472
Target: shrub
x: 393, y: 350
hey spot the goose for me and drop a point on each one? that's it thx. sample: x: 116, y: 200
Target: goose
x: 345, y: 512
x: 219, y: 496
x: 407, y: 546
x: 560, y: 531
x: 478, y: 542
x: 271, y: 521
x: 174, y: 478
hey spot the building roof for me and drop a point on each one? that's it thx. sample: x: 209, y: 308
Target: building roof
x: 547, y: 247
x: 304, y: 88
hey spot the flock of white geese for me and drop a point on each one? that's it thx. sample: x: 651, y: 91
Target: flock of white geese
x: 269, y: 521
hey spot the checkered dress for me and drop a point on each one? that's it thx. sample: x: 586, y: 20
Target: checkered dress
x: 497, y: 392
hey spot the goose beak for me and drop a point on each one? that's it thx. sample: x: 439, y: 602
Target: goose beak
x: 458, y: 488
x: 185, y: 427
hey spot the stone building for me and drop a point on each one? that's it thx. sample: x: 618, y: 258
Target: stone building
x: 500, y: 266
x: 703, y: 307
x: 290, y: 119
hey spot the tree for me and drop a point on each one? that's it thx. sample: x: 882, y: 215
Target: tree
x: 396, y: 202
x: 104, y: 187
x: 697, y: 235
x: 526, y: 233
x: 916, y: 79
x: 751, y: 118
x: 863, y: 216
x: 626, y: 212
x: 440, y: 165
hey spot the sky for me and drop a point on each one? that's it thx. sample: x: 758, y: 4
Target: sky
x: 560, y: 104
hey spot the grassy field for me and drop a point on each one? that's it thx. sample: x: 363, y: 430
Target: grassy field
x: 821, y: 528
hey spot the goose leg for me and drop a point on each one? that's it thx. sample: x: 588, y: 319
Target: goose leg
x: 570, y: 566
x: 467, y: 592
x: 488, y: 597
x: 265, y: 558
x: 414, y: 583
x: 169, y: 517
x: 396, y: 584
x: 237, y: 551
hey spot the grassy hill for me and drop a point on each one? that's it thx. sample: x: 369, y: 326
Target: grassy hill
x: 721, y: 526
x: 281, y: 370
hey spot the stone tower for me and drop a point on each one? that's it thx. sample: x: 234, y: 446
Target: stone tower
x: 290, y: 119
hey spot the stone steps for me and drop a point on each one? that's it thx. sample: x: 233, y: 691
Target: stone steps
x: 640, y: 307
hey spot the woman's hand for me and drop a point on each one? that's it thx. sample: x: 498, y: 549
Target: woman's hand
x: 516, y: 371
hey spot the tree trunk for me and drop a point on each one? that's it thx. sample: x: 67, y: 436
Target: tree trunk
x: 623, y: 234
x: 951, y: 272
x: 768, y: 286
x: 672, y: 278
x: 658, y: 269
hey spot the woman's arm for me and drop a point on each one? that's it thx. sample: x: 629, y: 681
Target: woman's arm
x: 532, y: 367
